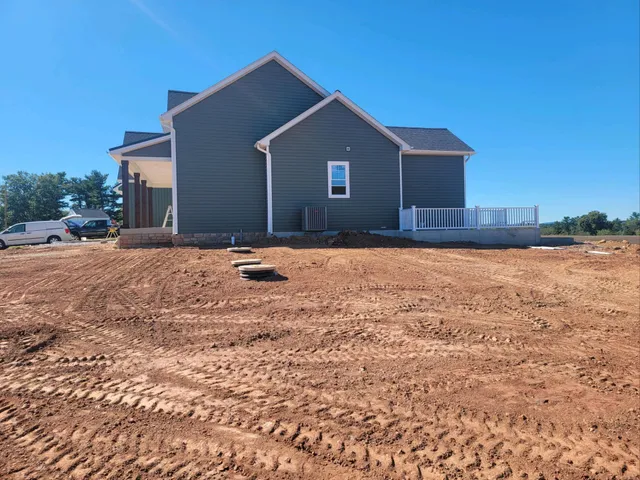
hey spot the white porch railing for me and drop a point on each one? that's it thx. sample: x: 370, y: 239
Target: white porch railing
x: 468, y: 218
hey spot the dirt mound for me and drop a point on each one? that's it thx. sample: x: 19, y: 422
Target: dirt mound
x: 346, y: 238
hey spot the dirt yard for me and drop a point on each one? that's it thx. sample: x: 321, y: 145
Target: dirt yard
x: 355, y: 363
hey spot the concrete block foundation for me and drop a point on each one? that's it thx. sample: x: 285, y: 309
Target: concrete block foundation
x: 145, y: 237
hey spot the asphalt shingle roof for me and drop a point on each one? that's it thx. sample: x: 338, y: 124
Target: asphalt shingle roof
x: 437, y: 139
x: 176, y: 97
x: 131, y: 138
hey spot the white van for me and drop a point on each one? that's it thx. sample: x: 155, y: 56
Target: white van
x: 29, y: 233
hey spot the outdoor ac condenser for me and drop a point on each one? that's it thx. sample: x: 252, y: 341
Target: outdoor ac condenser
x: 314, y: 219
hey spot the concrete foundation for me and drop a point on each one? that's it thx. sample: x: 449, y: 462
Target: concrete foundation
x: 205, y: 239
x: 484, y: 236
x: 145, y: 237
x: 162, y: 237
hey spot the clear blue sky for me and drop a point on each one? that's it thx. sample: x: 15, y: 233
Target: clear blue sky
x: 545, y: 91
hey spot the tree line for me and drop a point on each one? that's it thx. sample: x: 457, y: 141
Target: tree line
x: 593, y: 223
x: 27, y: 197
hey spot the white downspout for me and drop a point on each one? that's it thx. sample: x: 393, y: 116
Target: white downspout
x: 174, y: 180
x: 266, y: 151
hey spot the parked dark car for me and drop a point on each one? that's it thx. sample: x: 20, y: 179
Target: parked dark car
x: 91, y: 229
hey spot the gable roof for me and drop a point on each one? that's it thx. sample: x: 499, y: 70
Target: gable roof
x: 145, y: 140
x: 337, y: 96
x: 431, y: 139
x: 275, y: 56
x: 176, y: 97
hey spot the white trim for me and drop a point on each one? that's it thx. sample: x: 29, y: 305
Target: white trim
x: 133, y: 158
x: 269, y: 190
x: 400, y: 166
x: 174, y: 181
x: 239, y: 74
x: 136, y: 146
x: 337, y: 95
x: 436, y: 152
x: 346, y: 176
x: 465, y: 179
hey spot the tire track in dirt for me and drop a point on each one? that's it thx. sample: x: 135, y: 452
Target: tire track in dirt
x: 274, y: 405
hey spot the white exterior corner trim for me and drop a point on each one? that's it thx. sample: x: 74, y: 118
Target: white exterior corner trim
x: 400, y: 168
x: 238, y: 75
x: 136, y: 146
x: 337, y: 95
x: 437, y: 152
x: 174, y: 181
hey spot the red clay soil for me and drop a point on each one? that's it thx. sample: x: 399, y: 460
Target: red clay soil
x: 353, y: 363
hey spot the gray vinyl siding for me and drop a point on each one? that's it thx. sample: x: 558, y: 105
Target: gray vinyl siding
x: 300, y: 177
x: 158, y: 150
x: 433, y: 181
x: 161, y: 200
x: 221, y: 176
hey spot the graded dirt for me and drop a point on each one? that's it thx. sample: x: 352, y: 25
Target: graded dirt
x: 364, y: 360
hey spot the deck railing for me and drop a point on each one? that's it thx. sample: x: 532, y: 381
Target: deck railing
x: 468, y: 218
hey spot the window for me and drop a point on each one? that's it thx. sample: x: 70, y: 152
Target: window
x: 338, y: 179
x: 20, y: 228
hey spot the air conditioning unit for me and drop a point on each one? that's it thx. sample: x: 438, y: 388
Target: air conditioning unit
x: 314, y: 219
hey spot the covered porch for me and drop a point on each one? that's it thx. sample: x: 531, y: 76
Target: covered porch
x: 145, y: 178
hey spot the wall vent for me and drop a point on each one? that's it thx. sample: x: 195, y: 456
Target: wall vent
x: 314, y: 219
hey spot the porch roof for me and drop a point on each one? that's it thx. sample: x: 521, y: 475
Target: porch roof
x: 156, y: 170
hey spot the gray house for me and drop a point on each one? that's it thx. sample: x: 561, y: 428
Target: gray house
x: 269, y: 151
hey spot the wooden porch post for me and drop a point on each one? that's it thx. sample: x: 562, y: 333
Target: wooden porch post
x: 144, y: 195
x: 150, y: 206
x: 136, y: 197
x: 125, y: 194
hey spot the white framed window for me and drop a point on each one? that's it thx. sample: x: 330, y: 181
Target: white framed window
x: 338, y: 173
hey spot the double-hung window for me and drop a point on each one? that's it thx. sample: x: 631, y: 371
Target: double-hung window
x: 338, y: 179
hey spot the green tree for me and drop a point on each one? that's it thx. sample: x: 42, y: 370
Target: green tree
x: 593, y: 222
x: 92, y: 191
x: 49, y: 196
x: 20, y: 189
x: 632, y: 225
x: 569, y: 225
